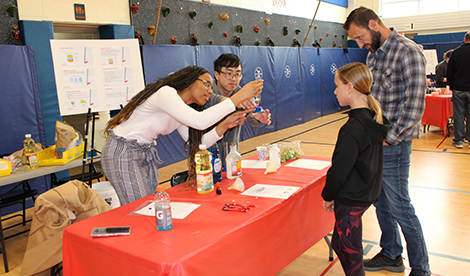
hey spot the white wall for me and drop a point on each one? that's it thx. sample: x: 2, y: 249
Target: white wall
x: 101, y: 12
x: 299, y: 8
x: 98, y: 12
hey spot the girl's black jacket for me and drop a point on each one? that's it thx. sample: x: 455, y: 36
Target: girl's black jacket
x: 355, y: 176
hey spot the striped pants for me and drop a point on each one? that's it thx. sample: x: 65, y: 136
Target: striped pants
x: 131, y: 167
x: 347, y: 238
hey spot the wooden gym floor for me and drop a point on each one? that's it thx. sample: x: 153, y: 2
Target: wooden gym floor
x: 439, y: 191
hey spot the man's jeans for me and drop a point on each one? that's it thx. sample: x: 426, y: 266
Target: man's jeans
x: 394, y: 208
x: 461, y: 103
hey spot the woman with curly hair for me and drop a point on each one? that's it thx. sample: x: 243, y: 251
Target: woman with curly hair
x: 129, y: 157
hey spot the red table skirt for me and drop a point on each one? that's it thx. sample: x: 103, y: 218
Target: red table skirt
x: 209, y: 241
x: 437, y: 112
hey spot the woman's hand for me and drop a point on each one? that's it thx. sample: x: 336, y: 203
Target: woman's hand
x: 236, y: 119
x: 264, y: 117
x: 251, y: 89
x: 329, y: 205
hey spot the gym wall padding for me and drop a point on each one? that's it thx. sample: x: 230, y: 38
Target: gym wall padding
x: 258, y: 62
x: 38, y: 34
x: 294, y: 94
x: 311, y: 78
x: 441, y: 48
x: 439, y: 38
x: 115, y: 31
x: 20, y: 108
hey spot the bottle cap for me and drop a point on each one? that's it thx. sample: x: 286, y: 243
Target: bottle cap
x: 27, y: 136
x: 161, y: 188
x: 202, y: 147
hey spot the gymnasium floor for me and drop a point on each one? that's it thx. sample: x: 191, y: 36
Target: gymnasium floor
x: 439, y: 189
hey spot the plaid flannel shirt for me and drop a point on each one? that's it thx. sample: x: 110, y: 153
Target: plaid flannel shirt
x: 399, y: 69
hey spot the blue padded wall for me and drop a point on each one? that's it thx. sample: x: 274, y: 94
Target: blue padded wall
x: 289, y: 93
x: 114, y: 31
x: 20, y: 108
x: 258, y: 62
x: 38, y: 34
x: 158, y: 62
x: 311, y: 80
x: 441, y: 48
x: 294, y: 95
x: 439, y: 38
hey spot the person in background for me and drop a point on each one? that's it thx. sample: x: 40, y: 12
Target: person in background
x: 458, y: 78
x: 399, y: 69
x: 441, y: 68
x: 228, y: 73
x: 129, y: 157
x: 354, y: 179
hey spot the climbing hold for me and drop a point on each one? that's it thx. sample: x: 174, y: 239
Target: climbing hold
x: 297, y: 31
x: 285, y: 30
x: 240, y: 28
x: 256, y: 29
x: 165, y: 10
x: 211, y: 24
x: 174, y: 40
x: 267, y: 21
x: 192, y: 14
x: 224, y: 16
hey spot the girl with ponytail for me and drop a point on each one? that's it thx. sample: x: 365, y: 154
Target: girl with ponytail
x: 354, y: 179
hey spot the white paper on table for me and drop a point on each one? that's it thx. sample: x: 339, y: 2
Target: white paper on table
x: 179, y: 210
x: 309, y: 164
x: 273, y: 191
x: 254, y: 164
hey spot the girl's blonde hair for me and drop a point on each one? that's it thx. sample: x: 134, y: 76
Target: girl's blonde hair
x: 360, y: 76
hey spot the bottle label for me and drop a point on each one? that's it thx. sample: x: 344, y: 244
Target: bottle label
x: 163, y: 215
x: 236, y: 167
x: 32, y: 160
x: 204, y: 181
x: 217, y: 165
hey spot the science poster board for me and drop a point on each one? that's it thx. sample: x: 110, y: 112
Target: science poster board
x: 431, y: 61
x: 96, y: 74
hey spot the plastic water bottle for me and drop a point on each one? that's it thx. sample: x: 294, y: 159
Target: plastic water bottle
x: 275, y: 155
x: 30, y: 152
x: 233, y: 162
x: 163, y: 209
x: 216, y: 163
x: 205, y: 182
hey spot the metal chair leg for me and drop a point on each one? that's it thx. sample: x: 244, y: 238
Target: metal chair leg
x: 4, y: 250
x: 331, y: 248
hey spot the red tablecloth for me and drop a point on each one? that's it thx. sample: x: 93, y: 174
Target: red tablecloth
x: 209, y: 241
x: 438, y: 110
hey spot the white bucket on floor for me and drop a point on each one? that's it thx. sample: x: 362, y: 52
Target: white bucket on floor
x: 107, y: 192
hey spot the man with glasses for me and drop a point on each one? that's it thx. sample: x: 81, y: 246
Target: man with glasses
x: 227, y: 74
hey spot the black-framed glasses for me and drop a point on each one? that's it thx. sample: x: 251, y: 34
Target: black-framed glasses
x: 231, y: 75
x: 207, y: 84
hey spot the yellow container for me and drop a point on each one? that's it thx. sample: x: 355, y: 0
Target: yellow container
x: 47, y: 157
x: 5, y: 167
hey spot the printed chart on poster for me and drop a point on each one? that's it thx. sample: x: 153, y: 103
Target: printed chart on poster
x: 97, y: 74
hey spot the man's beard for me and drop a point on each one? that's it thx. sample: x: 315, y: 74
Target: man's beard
x: 375, y: 44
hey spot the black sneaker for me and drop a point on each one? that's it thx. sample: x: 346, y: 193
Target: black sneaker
x: 381, y: 261
x: 415, y: 272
